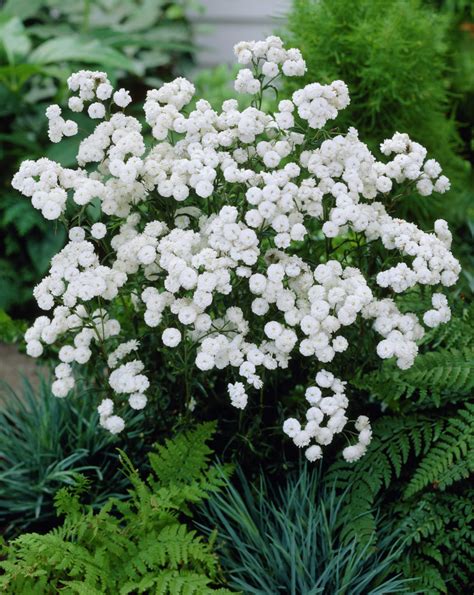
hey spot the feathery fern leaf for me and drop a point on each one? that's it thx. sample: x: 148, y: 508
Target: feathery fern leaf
x: 432, y: 374
x: 138, y: 545
x: 451, y: 458
x: 394, y: 439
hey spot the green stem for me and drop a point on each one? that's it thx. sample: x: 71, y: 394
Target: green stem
x: 86, y: 15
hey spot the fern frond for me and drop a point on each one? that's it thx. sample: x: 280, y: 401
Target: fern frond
x: 184, y: 582
x: 458, y: 333
x: 394, y: 439
x: 181, y: 460
x: 432, y: 374
x: 138, y: 545
x: 451, y: 458
x: 437, y: 530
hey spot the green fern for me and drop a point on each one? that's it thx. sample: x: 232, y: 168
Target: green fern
x: 437, y: 529
x: 450, y: 459
x: 434, y: 521
x: 442, y: 373
x: 447, y: 372
x: 394, y: 440
x: 136, y: 545
x: 459, y: 333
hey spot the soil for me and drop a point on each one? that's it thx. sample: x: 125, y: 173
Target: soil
x: 14, y: 366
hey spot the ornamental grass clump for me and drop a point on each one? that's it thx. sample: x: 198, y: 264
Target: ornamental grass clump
x: 217, y: 243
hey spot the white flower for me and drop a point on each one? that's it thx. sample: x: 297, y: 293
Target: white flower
x: 291, y: 427
x: 96, y: 110
x: 114, y: 424
x: 98, y: 231
x: 324, y: 379
x: 353, y: 453
x: 104, y: 91
x: 171, y: 337
x: 237, y: 395
x: 273, y: 329
x: 313, y: 453
x: 122, y: 98
x: 137, y: 401
x: 106, y: 408
x: 204, y: 361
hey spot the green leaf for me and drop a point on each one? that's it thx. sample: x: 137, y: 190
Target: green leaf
x: 80, y: 49
x: 10, y: 330
x: 23, y: 9
x: 15, y: 76
x: 175, y: 11
x: 9, y: 287
x: 13, y: 38
x: 22, y: 215
x: 64, y: 152
x: 42, y: 250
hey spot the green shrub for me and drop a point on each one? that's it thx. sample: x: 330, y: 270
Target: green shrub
x: 288, y: 540
x: 45, y: 444
x: 395, y: 58
x: 138, y: 545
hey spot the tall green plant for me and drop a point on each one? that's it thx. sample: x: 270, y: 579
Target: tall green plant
x: 395, y: 59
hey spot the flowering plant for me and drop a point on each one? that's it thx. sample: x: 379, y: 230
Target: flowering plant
x: 208, y: 235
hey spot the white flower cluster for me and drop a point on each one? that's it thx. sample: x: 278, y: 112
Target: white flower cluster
x: 92, y: 86
x: 47, y: 184
x: 57, y: 126
x: 208, y: 236
x: 319, y: 103
x: 440, y: 314
x: 330, y: 411
x: 270, y: 58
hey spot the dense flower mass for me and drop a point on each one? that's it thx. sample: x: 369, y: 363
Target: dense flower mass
x: 205, y: 234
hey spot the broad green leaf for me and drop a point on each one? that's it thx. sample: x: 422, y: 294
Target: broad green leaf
x: 156, y: 38
x: 80, y: 49
x: 147, y: 15
x: 15, y: 76
x: 13, y: 39
x: 42, y: 250
x: 51, y: 30
x: 23, y: 9
x: 64, y: 152
x: 175, y: 11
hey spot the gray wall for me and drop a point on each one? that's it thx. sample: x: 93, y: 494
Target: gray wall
x: 225, y: 22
